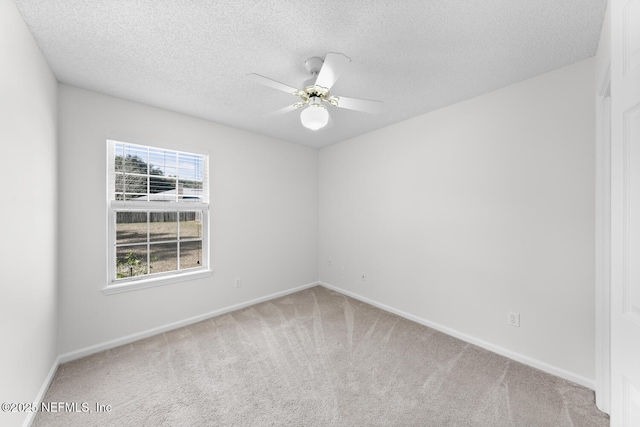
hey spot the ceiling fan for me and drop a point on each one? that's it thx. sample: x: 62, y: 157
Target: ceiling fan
x: 315, y: 95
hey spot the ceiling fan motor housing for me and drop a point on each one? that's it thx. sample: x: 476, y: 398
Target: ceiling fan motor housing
x: 313, y: 65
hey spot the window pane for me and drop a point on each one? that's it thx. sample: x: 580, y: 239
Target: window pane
x: 155, y: 174
x: 163, y: 226
x: 131, y: 261
x: 190, y: 174
x: 163, y: 162
x: 135, y: 159
x: 191, y: 225
x: 119, y: 186
x: 164, y: 257
x: 118, y: 151
x: 190, y: 167
x: 162, y: 188
x: 131, y: 227
x: 135, y: 186
x: 190, y: 255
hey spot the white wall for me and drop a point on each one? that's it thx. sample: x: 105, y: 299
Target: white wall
x: 28, y: 315
x: 264, y: 217
x: 463, y: 214
x: 603, y: 55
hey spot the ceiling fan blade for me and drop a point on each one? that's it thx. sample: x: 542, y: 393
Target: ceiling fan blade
x: 281, y: 111
x: 329, y: 123
x: 334, y: 65
x: 364, y: 105
x: 271, y: 83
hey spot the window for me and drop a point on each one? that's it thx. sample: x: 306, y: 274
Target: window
x: 158, y: 216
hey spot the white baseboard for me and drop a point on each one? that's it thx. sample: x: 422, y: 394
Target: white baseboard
x: 77, y: 354
x: 41, y: 393
x: 554, y: 370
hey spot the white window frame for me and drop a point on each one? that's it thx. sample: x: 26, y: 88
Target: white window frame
x: 117, y: 285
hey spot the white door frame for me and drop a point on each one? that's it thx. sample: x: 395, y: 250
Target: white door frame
x: 625, y: 213
x: 603, y: 244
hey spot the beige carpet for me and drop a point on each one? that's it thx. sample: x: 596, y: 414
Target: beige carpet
x: 313, y: 358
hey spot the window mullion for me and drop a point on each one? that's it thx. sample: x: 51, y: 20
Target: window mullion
x: 148, y: 242
x: 178, y: 176
x: 178, y: 239
x: 148, y: 177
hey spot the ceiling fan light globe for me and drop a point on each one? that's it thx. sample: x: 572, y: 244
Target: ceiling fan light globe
x: 314, y: 117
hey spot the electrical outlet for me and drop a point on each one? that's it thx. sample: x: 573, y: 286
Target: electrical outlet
x: 514, y: 319
x: 237, y: 282
x: 363, y: 277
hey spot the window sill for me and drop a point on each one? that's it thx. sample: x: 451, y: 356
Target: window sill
x: 152, y: 282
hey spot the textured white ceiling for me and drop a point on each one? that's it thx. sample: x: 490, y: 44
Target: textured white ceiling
x: 415, y: 56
